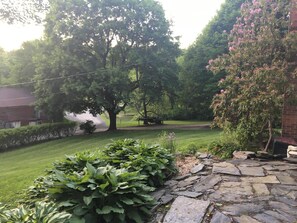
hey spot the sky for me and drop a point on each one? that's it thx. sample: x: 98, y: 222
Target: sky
x: 188, y: 17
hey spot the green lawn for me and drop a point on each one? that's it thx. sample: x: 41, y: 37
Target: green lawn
x: 20, y: 167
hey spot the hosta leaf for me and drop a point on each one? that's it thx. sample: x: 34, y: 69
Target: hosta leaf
x: 87, y: 200
x: 134, y: 215
x: 75, y: 219
x: 127, y: 201
x: 108, y: 209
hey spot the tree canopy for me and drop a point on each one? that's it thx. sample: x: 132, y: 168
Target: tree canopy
x: 198, y: 85
x: 98, y: 44
x: 24, y: 11
x: 259, y: 74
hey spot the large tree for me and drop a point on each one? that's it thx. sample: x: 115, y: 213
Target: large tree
x: 96, y: 43
x: 198, y: 85
x: 24, y: 11
x: 156, y: 76
x: 259, y: 71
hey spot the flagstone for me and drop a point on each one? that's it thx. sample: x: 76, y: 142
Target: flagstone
x: 187, y: 210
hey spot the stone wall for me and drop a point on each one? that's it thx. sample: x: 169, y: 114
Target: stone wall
x: 289, y: 119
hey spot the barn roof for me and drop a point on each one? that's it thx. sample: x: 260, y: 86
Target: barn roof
x: 15, y: 97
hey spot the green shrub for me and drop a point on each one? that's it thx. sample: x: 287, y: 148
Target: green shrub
x: 221, y: 149
x: 168, y: 141
x: 88, y: 127
x: 153, y: 161
x: 103, y: 194
x: 10, y: 138
x: 41, y: 213
x: 189, y: 149
x: 109, y: 185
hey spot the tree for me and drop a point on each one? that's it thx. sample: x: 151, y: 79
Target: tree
x: 22, y: 62
x: 258, y: 71
x: 198, y: 85
x: 4, y: 67
x: 24, y: 11
x: 95, y: 42
x: 156, y: 76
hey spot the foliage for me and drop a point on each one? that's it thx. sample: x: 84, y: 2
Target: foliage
x: 226, y: 145
x: 96, y: 193
x: 198, y: 85
x: 259, y: 72
x: 168, y: 141
x: 22, y: 62
x: 92, y: 53
x: 30, y: 161
x: 88, y: 127
x: 13, y: 11
x: 41, y: 213
x: 153, y: 161
x: 4, y: 67
x: 10, y: 138
x: 189, y: 149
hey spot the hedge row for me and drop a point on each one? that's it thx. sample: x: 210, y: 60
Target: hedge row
x: 10, y: 138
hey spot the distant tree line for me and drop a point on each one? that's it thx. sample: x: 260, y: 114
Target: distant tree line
x: 107, y: 55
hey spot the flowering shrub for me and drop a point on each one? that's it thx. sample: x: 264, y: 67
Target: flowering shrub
x: 258, y: 70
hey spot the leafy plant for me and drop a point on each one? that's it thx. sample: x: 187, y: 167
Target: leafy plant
x: 224, y: 147
x: 88, y: 127
x: 103, y: 194
x: 189, y: 149
x: 42, y: 213
x: 168, y: 141
x: 153, y: 161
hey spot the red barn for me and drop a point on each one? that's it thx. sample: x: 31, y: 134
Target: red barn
x: 17, y: 108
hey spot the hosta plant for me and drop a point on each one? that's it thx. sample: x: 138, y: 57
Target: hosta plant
x: 42, y: 213
x: 103, y: 194
x: 152, y: 160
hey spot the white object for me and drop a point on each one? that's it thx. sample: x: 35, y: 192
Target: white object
x: 292, y: 151
x: 83, y: 117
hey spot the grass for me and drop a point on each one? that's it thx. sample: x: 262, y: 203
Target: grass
x: 128, y: 120
x: 20, y: 167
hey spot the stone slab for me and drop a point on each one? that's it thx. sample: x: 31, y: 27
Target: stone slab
x: 225, y: 168
x: 188, y: 194
x: 265, y: 218
x: 187, y: 210
x: 246, y: 219
x: 219, y: 217
x: 282, y: 217
x: 270, y: 179
x: 158, y: 194
x: 206, y: 183
x: 197, y: 168
x: 242, y: 209
x: 261, y: 189
x: 252, y: 171
x: 166, y: 199
x: 283, y: 207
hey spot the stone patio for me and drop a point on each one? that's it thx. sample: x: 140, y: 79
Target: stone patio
x: 245, y: 191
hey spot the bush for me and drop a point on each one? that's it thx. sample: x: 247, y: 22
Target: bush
x: 10, y: 138
x: 167, y: 140
x: 41, y: 213
x: 221, y: 149
x: 153, y: 161
x: 109, y: 185
x: 190, y: 149
x: 88, y: 127
x: 103, y: 194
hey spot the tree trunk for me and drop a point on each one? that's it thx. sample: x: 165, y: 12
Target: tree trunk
x: 270, y: 136
x: 112, y: 120
x: 145, y: 121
